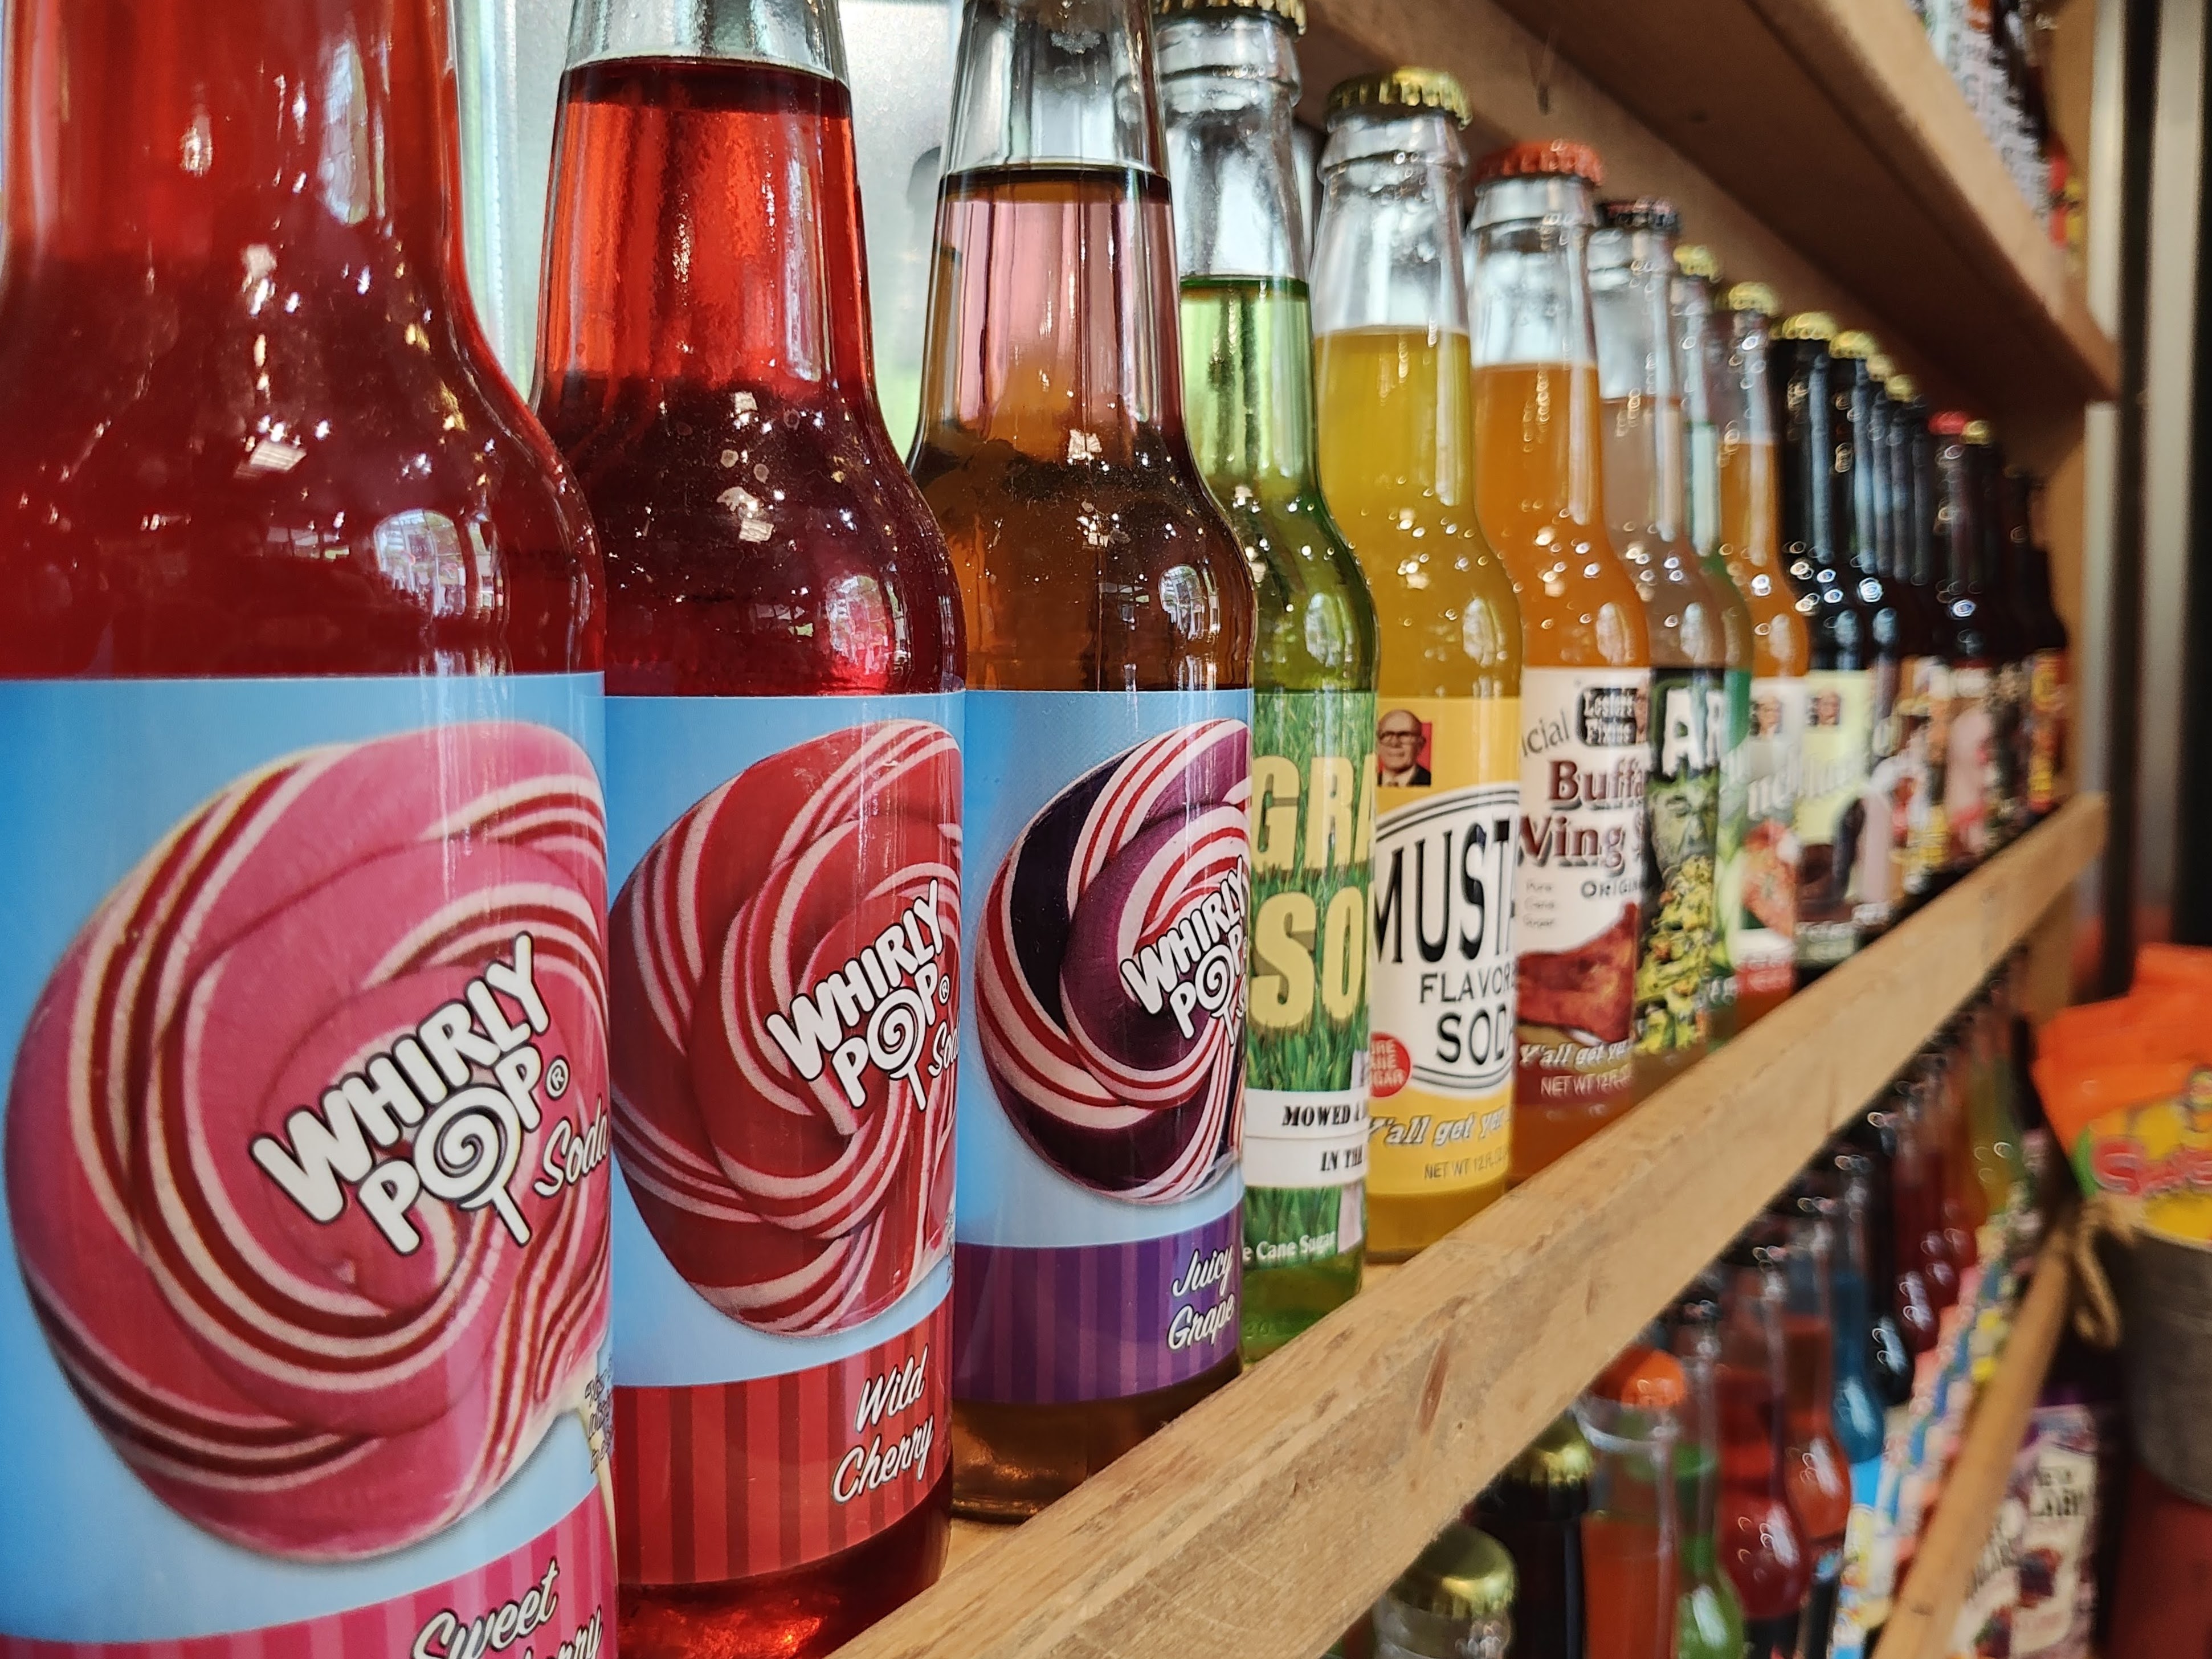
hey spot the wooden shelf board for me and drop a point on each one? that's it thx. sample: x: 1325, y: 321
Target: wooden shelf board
x: 1260, y: 1524
x: 1818, y: 144
x: 1928, y: 1602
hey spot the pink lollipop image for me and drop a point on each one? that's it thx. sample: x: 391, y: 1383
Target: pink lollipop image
x: 1110, y: 969
x: 785, y: 999
x: 275, y: 1137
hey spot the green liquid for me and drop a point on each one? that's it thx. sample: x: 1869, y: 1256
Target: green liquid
x: 1248, y: 385
x: 1708, y: 1618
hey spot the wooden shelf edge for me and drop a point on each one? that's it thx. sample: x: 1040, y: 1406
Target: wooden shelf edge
x: 1260, y: 1524
x: 1928, y: 1602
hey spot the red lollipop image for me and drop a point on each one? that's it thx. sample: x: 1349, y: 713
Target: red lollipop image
x: 786, y: 1004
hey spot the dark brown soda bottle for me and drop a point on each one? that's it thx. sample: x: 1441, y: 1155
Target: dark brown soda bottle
x: 1976, y: 644
x: 2050, y: 657
x: 1110, y: 625
x: 784, y: 671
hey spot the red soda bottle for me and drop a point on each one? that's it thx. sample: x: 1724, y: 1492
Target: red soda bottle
x: 1820, y: 1475
x: 1762, y: 1544
x: 784, y: 657
x: 299, y: 648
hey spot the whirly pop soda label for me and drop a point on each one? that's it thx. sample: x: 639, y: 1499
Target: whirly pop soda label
x: 305, y: 1145
x: 786, y: 973
x: 1098, y: 1253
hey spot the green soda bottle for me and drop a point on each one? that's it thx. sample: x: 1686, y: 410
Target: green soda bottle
x: 1709, y: 1618
x: 1229, y: 82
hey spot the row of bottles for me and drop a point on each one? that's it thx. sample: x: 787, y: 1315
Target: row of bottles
x: 1748, y: 1479
x: 433, y: 809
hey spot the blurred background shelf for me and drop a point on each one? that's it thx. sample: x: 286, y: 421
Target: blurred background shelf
x: 1257, y: 1526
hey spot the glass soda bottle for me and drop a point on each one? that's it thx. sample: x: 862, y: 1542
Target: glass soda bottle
x: 1631, y: 269
x: 1819, y: 1470
x: 1535, y: 1509
x: 1394, y: 456
x: 302, y: 625
x: 1864, y: 1165
x: 1631, y: 1533
x: 1709, y: 1618
x: 1916, y: 739
x: 1970, y: 732
x: 1875, y: 879
x: 2049, y: 646
x: 1857, y: 1409
x: 1701, y: 352
x: 2008, y: 643
x: 1455, y: 1602
x: 1228, y: 83
x: 1585, y: 696
x: 1761, y: 918
x: 1110, y: 621
x: 1817, y: 524
x: 1764, y: 1546
x: 784, y: 670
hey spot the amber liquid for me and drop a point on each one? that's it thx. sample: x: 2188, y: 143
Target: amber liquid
x: 248, y: 430
x: 1537, y: 500
x: 701, y: 339
x: 1090, y: 557
x: 1751, y: 543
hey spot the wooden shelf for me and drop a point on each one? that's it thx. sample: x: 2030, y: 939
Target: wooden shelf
x: 1818, y: 144
x: 1258, y: 1525
x: 1928, y: 1602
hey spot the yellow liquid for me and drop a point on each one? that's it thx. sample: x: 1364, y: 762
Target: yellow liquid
x: 1394, y: 410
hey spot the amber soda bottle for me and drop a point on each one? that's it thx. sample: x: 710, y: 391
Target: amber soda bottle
x: 1110, y: 618
x: 784, y: 670
x: 1586, y: 685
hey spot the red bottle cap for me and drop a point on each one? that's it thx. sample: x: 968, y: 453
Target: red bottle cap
x: 1541, y: 158
x: 1643, y: 1377
x: 1949, y: 422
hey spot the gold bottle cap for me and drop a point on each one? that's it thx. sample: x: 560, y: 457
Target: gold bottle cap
x: 1902, y: 388
x: 1463, y: 1576
x: 1292, y: 12
x: 1753, y: 296
x: 1696, y: 259
x: 1806, y: 325
x: 1882, y: 369
x: 1978, y: 432
x: 1853, y: 343
x: 1402, y: 88
x: 1558, y: 1457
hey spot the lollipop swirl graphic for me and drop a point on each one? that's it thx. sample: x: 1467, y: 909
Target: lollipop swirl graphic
x: 786, y: 983
x: 1110, y: 968
x: 308, y: 1319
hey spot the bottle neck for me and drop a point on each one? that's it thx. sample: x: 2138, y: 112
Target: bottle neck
x: 1387, y: 254
x: 1697, y: 351
x: 1229, y: 84
x: 1809, y: 496
x: 1631, y: 314
x: 1065, y: 82
x: 1870, y: 523
x: 262, y: 136
x: 1528, y: 273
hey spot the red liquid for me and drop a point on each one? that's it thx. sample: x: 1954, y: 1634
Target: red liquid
x: 248, y: 422
x: 1630, y: 1575
x: 1820, y: 1479
x: 1761, y: 1544
x: 706, y: 370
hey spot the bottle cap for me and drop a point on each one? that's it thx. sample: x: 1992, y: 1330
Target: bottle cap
x: 1464, y: 1575
x: 1558, y: 1457
x: 1853, y: 343
x: 1644, y: 213
x: 1541, y: 158
x: 1949, y: 422
x: 1753, y: 296
x: 1806, y: 325
x: 1902, y: 388
x: 1696, y: 259
x: 1292, y: 12
x: 1649, y: 1379
x: 1402, y: 88
x: 1882, y: 369
x: 1978, y: 432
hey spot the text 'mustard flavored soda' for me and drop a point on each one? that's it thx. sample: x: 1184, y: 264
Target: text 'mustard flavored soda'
x: 784, y: 665
x: 1396, y: 462
x: 1109, y: 623
x: 307, y: 1103
x: 1229, y: 84
x: 1586, y: 687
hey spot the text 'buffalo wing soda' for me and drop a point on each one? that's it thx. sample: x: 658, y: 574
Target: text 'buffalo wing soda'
x: 1632, y: 273
x: 784, y: 668
x: 1701, y: 350
x: 1394, y: 456
x: 1585, y: 693
x: 1109, y: 614
x: 1229, y: 82
x: 307, y: 1114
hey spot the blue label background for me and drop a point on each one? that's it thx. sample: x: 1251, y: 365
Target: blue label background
x: 92, y: 774
x: 1023, y: 748
x: 665, y: 755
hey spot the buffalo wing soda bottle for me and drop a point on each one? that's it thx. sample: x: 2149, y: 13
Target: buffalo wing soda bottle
x: 1109, y: 617
x: 1229, y: 81
x: 1761, y: 914
x: 1818, y: 525
x: 1701, y: 353
x: 1395, y: 462
x: 1643, y: 434
x: 783, y: 725
x: 305, y: 1111
x: 1585, y: 697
